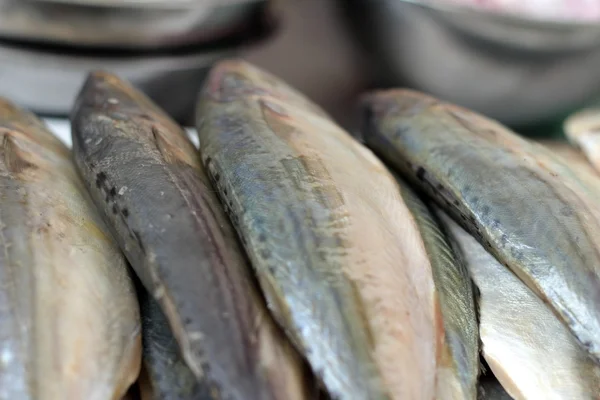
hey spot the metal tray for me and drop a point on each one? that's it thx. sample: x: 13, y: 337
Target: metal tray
x: 127, y: 24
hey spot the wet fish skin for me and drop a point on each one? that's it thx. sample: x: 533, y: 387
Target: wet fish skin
x: 167, y: 377
x: 583, y: 130
x: 511, y: 195
x: 458, y: 362
x: 69, y: 318
x: 336, y: 251
x: 145, y: 175
x: 529, y: 350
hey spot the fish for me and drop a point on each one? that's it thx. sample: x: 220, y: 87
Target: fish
x: 336, y: 251
x: 529, y: 350
x: 145, y: 175
x: 514, y: 196
x: 458, y: 364
x: 165, y: 374
x: 579, y: 167
x: 69, y: 317
x: 583, y: 130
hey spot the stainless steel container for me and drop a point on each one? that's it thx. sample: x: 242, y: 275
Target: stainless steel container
x: 126, y: 24
x: 518, y: 70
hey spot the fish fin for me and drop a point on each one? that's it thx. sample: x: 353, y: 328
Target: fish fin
x: 13, y: 159
x: 174, y: 152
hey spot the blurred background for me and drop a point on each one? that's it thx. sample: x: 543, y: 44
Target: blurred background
x: 528, y: 68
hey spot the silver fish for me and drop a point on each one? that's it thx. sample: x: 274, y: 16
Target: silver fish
x: 69, y: 318
x: 458, y: 359
x: 583, y: 130
x: 512, y: 195
x: 337, y: 252
x: 533, y: 355
x: 145, y: 176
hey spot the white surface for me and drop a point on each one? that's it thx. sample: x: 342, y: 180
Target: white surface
x: 62, y: 129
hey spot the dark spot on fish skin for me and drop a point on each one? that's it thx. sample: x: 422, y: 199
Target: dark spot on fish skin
x: 475, y: 199
x: 125, y: 212
x: 216, y: 176
x: 466, y: 189
x: 115, y: 209
x: 504, y: 239
x: 262, y: 237
x: 456, y: 203
x: 113, y: 192
x: 272, y: 269
x: 495, y: 224
x: 146, y: 117
x: 421, y: 173
x: 440, y: 186
x: 92, y: 165
x: 100, y: 179
x: 485, y: 210
x: 187, y: 321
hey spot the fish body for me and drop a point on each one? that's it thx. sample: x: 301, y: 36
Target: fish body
x: 458, y: 359
x: 583, y: 130
x: 145, y: 175
x: 579, y: 167
x: 512, y: 195
x: 533, y: 355
x: 69, y: 318
x: 166, y: 376
x: 338, y: 255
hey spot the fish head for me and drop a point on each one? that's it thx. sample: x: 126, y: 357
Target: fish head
x: 231, y: 80
x: 25, y: 140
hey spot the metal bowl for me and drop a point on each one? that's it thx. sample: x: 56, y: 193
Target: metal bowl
x: 521, y: 71
x: 48, y: 82
x: 127, y: 24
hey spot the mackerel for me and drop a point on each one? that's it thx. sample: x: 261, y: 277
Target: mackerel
x: 512, y: 195
x: 144, y: 174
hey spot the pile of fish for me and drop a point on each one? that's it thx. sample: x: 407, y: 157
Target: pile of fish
x: 444, y: 258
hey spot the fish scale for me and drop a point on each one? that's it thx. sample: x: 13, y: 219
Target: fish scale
x: 498, y: 186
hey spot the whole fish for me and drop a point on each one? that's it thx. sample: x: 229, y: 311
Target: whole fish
x: 583, y: 130
x: 166, y: 376
x: 337, y: 252
x: 69, y: 318
x: 512, y: 195
x: 458, y: 361
x: 145, y: 175
x: 533, y: 355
